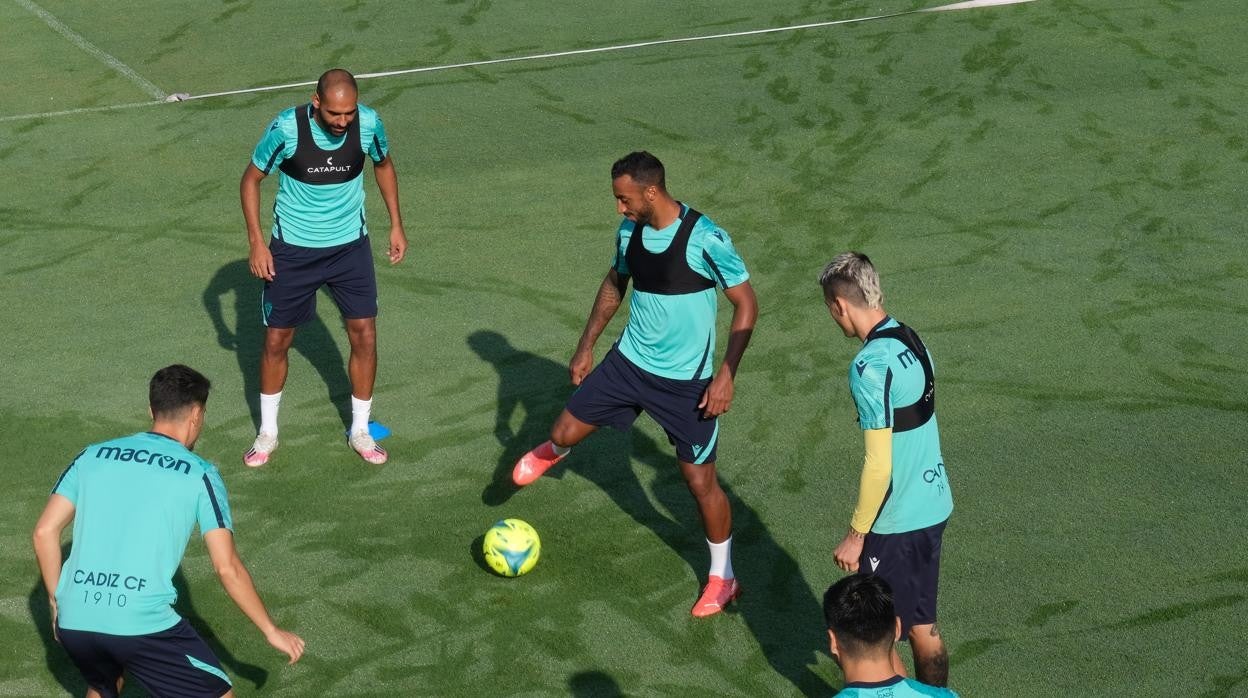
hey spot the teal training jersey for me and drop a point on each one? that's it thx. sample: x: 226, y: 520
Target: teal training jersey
x: 136, y: 500
x: 673, y: 336
x: 318, y: 215
x: 884, y: 375
x: 896, y: 687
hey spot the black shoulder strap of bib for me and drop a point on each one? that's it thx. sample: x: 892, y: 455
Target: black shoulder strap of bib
x: 687, y: 222
x: 915, y: 415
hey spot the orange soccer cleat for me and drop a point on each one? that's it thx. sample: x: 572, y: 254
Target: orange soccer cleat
x: 532, y: 464
x: 715, y: 596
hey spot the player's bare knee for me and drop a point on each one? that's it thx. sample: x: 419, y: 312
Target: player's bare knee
x: 277, y: 343
x: 363, y: 336
x: 701, y: 481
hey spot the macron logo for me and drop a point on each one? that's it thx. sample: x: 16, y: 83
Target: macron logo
x: 861, y: 366
x: 875, y: 562
x: 329, y: 161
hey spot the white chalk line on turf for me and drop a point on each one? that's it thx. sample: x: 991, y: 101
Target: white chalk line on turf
x: 79, y: 110
x: 969, y: 4
x: 621, y: 47
x: 78, y: 40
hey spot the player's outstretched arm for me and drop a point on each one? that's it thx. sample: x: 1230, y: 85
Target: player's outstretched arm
x: 388, y: 185
x: 610, y: 295
x: 237, y: 582
x: 259, y: 258
x: 718, y: 396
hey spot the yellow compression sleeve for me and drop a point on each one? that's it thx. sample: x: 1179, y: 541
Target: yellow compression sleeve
x: 877, y: 473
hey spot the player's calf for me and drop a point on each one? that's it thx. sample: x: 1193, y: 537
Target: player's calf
x: 931, y: 660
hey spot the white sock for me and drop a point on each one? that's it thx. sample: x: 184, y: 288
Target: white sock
x: 360, y: 410
x: 560, y: 450
x: 721, y: 558
x: 268, y: 412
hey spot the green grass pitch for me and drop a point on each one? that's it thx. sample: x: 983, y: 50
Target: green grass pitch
x: 1053, y: 191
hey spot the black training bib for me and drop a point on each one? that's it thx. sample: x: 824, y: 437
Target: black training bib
x: 667, y: 272
x: 312, y: 165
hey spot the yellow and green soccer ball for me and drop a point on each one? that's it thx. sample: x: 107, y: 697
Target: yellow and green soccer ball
x: 511, y: 547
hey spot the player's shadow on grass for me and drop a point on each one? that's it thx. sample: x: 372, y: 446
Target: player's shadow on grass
x: 59, y: 664
x: 777, y: 603
x: 67, y: 675
x: 594, y: 684
x: 246, y: 339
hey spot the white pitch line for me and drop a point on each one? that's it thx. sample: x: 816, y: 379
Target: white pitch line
x: 971, y: 4
x: 79, y: 110
x: 78, y: 40
x: 562, y: 54
x: 619, y: 47
x: 177, y: 97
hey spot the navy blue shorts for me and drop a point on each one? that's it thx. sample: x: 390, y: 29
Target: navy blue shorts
x: 616, y: 391
x: 173, y: 662
x: 910, y: 563
x: 289, y: 300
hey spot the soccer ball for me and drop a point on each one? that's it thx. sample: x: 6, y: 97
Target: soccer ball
x: 511, y: 547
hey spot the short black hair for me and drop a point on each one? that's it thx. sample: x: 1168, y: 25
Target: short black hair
x: 175, y: 388
x: 644, y: 168
x: 859, y: 611
x: 335, y: 77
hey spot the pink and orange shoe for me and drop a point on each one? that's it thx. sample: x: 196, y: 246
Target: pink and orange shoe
x: 717, y: 594
x: 368, y: 449
x: 532, y: 464
x: 258, y: 454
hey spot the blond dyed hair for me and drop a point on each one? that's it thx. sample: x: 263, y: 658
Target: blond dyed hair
x: 852, y: 276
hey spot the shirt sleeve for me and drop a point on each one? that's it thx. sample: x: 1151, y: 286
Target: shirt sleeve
x: 272, y: 148
x: 67, y: 484
x: 213, y: 507
x: 868, y: 383
x: 377, y: 147
x: 622, y: 235
x: 719, y: 260
x: 877, y: 475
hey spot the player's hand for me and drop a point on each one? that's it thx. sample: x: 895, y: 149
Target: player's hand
x: 718, y: 396
x: 398, y: 244
x: 287, y: 643
x: 581, y: 364
x: 55, y: 635
x: 849, y: 552
x: 261, y: 262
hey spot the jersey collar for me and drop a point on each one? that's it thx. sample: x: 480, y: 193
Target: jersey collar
x: 876, y: 684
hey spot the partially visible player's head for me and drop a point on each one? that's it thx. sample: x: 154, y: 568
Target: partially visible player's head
x: 179, y: 394
x: 638, y: 180
x: 862, y: 623
x: 850, y: 282
x: 852, y: 276
x: 335, y: 100
x: 644, y: 168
